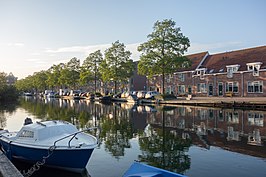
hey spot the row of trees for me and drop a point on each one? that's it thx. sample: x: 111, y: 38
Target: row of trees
x: 161, y: 54
x: 115, y: 65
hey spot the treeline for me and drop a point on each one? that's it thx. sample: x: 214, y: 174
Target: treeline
x: 114, y: 65
x: 162, y: 54
x: 7, y: 92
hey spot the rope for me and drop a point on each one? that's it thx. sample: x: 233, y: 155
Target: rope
x: 39, y: 164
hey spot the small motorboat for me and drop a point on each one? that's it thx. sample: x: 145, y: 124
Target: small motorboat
x: 56, y: 144
x: 138, y: 169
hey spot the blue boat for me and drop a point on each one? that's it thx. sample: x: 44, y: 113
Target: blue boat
x: 56, y: 144
x: 138, y: 169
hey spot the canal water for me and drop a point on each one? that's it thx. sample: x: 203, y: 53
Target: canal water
x: 195, y: 141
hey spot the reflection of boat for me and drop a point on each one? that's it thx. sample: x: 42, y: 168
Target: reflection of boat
x: 28, y: 94
x: 140, y: 170
x: 132, y: 99
x: 146, y: 109
x: 56, y: 143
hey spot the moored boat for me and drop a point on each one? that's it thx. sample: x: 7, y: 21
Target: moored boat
x: 56, y: 144
x: 138, y: 169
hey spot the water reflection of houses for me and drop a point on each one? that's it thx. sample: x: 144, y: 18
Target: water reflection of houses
x: 236, y: 130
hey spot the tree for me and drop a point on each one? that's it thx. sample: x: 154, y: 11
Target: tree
x: 163, y: 52
x: 90, y: 67
x: 39, y: 80
x: 70, y: 73
x: 2, y: 79
x: 53, y: 75
x: 117, y: 65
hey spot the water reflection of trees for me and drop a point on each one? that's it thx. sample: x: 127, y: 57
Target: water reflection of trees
x: 116, y: 132
x: 165, y: 148
x: 4, y: 110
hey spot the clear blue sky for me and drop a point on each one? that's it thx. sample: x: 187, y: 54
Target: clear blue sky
x: 36, y: 34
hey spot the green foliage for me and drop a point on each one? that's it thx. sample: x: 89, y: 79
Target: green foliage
x: 70, y: 73
x: 7, y: 93
x: 90, y: 68
x: 53, y: 75
x: 164, y: 50
x: 117, y: 65
x: 39, y: 80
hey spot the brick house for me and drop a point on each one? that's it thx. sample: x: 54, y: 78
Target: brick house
x: 239, y: 73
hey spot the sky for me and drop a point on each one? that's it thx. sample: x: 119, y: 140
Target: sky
x: 36, y: 34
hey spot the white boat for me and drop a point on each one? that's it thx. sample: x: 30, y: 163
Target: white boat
x: 56, y: 144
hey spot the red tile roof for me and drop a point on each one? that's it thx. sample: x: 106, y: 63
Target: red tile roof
x: 239, y: 57
x: 195, y: 61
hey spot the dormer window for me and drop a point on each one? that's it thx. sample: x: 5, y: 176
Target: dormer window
x: 200, y: 72
x: 254, y: 67
x: 232, y: 69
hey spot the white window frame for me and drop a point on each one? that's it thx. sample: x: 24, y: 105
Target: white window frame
x: 231, y: 69
x: 201, y: 88
x: 233, y: 86
x: 181, y: 89
x: 254, y: 67
x: 251, y: 86
x: 201, y: 72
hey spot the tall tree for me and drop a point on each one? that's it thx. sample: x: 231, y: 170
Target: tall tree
x: 117, y: 65
x: 164, y: 50
x: 39, y: 80
x: 70, y: 73
x: 53, y: 75
x: 91, y: 68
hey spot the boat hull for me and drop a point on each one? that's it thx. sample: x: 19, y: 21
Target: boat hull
x: 71, y: 159
x: 139, y: 169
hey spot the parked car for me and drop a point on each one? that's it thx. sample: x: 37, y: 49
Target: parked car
x: 151, y: 94
x: 141, y: 94
x: 126, y: 94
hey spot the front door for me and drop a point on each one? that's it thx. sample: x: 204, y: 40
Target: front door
x: 220, y: 89
x: 210, y: 89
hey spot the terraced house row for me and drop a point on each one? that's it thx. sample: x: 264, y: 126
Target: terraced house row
x: 240, y: 73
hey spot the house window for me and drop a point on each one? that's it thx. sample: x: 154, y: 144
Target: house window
x: 181, y: 89
x: 231, y: 87
x: 232, y: 69
x: 169, y: 90
x: 255, y: 87
x: 201, y: 88
x: 181, y: 77
x: 254, y: 67
x: 169, y: 78
x: 200, y: 72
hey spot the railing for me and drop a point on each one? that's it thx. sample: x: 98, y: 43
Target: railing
x: 74, y: 135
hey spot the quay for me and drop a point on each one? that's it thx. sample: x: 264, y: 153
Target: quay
x: 7, y: 169
x: 256, y: 103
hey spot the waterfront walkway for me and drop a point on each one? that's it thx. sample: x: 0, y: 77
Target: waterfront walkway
x: 258, y: 103
x: 7, y: 169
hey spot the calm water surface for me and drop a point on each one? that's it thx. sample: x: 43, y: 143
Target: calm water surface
x: 194, y: 141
